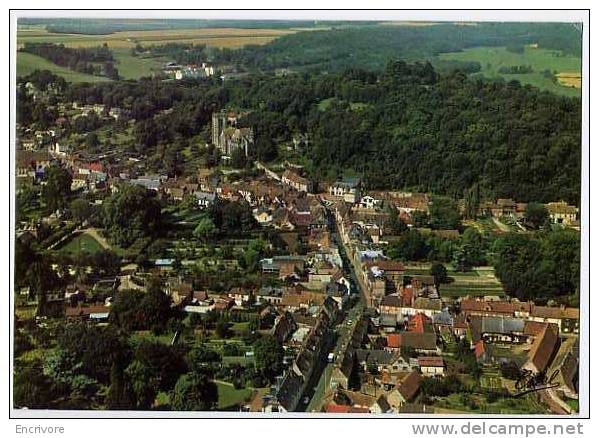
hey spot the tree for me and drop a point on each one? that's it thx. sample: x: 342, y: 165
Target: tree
x: 41, y: 279
x: 238, y: 158
x: 131, y: 213
x: 120, y: 393
x: 93, y: 349
x: 155, y: 308
x: 32, y: 388
x: 236, y: 218
x: 536, y: 215
x: 194, y: 392
x: 204, y: 229
x: 81, y: 209
x: 57, y: 189
x: 439, y: 273
x: 155, y: 367
x: 444, y: 214
x: 222, y: 329
x: 471, y: 250
x: 268, y: 356
x: 410, y: 246
x: 518, y: 264
x: 394, y: 223
x: 92, y: 142
x: 472, y: 203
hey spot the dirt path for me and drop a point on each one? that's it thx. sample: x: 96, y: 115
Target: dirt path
x: 93, y: 232
x: 503, y: 227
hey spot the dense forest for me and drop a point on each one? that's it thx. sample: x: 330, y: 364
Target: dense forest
x: 92, y: 60
x: 371, y: 47
x: 405, y: 127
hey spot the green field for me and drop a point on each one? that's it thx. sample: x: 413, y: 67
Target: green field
x: 492, y: 59
x: 135, y: 67
x: 229, y: 397
x: 27, y: 63
x: 81, y: 243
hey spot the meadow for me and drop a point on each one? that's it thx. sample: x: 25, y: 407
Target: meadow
x: 492, y: 59
x: 27, y: 63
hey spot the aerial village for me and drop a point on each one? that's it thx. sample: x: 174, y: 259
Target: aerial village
x: 305, y: 263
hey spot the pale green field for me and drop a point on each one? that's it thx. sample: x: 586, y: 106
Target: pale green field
x: 492, y: 59
x: 135, y: 67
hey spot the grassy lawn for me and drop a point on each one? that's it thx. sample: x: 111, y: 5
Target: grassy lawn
x: 27, y: 63
x: 229, y: 397
x: 81, y: 243
x: 492, y: 59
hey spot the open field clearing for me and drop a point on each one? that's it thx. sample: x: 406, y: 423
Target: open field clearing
x: 570, y: 79
x: 81, y: 243
x: 228, y: 396
x: 216, y: 37
x: 491, y: 59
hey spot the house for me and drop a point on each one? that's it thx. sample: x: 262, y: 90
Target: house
x: 562, y: 213
x: 205, y: 199
x: 542, y: 350
x: 292, y: 179
x: 420, y: 323
x: 406, y: 391
x: 283, y: 266
x: 369, y: 202
x: 284, y: 326
x: 341, y: 371
x: 567, y: 371
x: 481, y: 352
x: 566, y: 318
x: 380, y: 406
x: 420, y: 342
x: 477, y: 307
x: 381, y: 360
x: 432, y: 365
x: 348, y: 189
x: 96, y: 313
x: 334, y: 408
x: 223, y: 303
x: 32, y: 164
x: 504, y: 207
x: 500, y: 329
x: 240, y: 295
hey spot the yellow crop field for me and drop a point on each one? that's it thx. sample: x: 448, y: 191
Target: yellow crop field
x: 216, y: 37
x: 570, y: 79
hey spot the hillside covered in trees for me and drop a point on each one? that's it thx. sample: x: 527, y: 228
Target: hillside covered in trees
x: 405, y: 127
x: 372, y: 46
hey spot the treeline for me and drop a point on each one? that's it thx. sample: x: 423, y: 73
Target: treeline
x: 90, y: 26
x: 516, y: 69
x: 92, y: 60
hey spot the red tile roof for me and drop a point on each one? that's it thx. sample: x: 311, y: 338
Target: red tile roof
x: 431, y: 361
